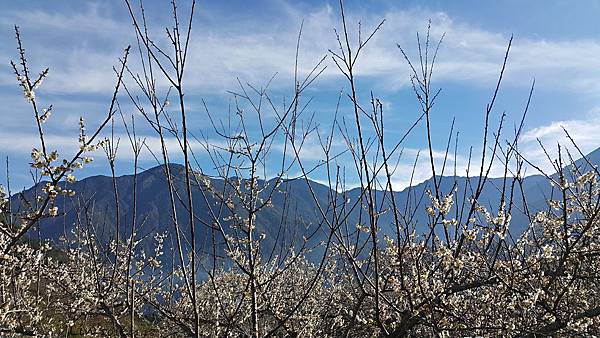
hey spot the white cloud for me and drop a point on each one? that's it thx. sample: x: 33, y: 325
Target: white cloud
x: 583, y: 131
x: 254, y: 51
x: 21, y: 143
x: 89, y: 20
x: 90, y: 41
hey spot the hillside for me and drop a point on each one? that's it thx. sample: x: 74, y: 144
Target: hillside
x: 294, y: 213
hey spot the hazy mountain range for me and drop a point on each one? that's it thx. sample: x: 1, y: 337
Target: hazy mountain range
x: 294, y: 212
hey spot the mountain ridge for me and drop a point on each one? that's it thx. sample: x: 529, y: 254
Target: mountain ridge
x: 294, y: 212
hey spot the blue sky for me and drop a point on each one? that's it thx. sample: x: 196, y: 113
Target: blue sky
x: 555, y: 42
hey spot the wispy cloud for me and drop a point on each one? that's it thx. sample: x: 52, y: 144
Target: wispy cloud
x: 18, y: 143
x: 81, y: 47
x: 255, y: 52
x: 584, y: 133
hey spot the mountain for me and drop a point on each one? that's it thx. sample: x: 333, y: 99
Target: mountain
x: 294, y: 213
x: 94, y: 203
